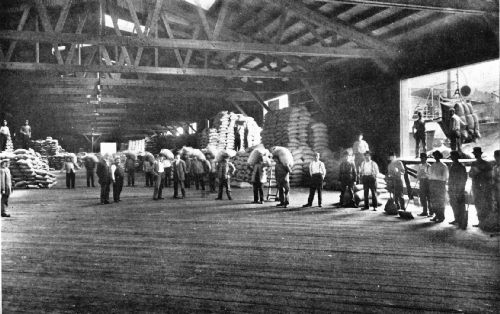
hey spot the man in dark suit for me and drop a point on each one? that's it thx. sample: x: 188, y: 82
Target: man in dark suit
x: 104, y: 174
x: 179, y: 170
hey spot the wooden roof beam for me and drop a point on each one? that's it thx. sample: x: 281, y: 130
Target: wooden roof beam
x: 476, y: 7
x: 250, y: 48
x: 337, y: 26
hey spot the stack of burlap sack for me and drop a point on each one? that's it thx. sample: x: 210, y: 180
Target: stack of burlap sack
x: 47, y: 147
x: 209, y: 137
x: 56, y: 162
x: 382, y: 193
x: 222, y: 133
x: 318, y: 139
x: 224, y: 124
x: 29, y: 170
x: 289, y: 128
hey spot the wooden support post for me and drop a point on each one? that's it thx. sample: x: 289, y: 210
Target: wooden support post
x: 20, y: 27
x: 235, y: 104
x: 260, y: 101
x: 79, y: 28
x: 196, y: 32
x: 37, y: 44
x: 44, y: 19
x: 171, y: 35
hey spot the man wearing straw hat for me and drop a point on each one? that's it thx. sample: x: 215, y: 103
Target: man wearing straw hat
x: 5, y: 185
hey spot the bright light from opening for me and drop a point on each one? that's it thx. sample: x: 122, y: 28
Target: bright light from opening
x: 193, y: 127
x: 123, y: 25
x: 277, y: 103
x: 204, y: 4
x: 180, y: 130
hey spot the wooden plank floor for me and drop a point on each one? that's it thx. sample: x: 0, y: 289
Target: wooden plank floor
x: 62, y: 252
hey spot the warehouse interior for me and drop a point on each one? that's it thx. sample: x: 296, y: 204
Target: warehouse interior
x: 120, y: 71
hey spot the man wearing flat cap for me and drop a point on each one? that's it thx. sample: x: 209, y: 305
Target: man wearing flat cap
x: 5, y: 185
x: 481, y: 173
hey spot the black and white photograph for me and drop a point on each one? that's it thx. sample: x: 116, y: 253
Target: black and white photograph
x: 250, y: 156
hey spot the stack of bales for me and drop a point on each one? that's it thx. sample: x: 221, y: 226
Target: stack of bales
x: 209, y: 137
x: 224, y: 124
x: 382, y: 193
x: 9, y: 146
x: 252, y: 131
x: 47, y: 147
x: 56, y: 162
x: 289, y: 128
x: 318, y: 139
x: 243, y: 169
x: 29, y: 170
x: 151, y: 144
x: 222, y: 134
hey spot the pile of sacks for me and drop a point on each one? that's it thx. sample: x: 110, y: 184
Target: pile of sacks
x: 209, y: 137
x: 56, y: 162
x: 318, y: 140
x: 28, y: 170
x: 382, y: 193
x: 243, y: 169
x: 47, y: 147
x: 222, y: 135
x: 289, y: 128
x: 9, y: 146
x: 224, y: 124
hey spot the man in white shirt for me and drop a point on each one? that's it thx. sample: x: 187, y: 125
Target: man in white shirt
x: 5, y: 186
x: 423, y: 182
x: 4, y: 135
x: 368, y: 173
x: 317, y: 171
x: 438, y: 176
x: 455, y: 135
x: 359, y: 148
x: 159, y: 175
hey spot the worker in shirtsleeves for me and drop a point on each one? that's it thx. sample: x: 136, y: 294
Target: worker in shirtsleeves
x: 5, y: 186
x: 418, y: 130
x: 423, y: 181
x: 395, y: 170
x: 258, y: 179
x: 359, y: 148
x: 368, y: 172
x: 456, y: 190
x: 455, y: 134
x: 282, y: 177
x: 70, y: 168
x: 4, y: 135
x: 225, y: 169
x: 438, y: 176
x: 25, y: 135
x: 317, y: 171
x: 159, y: 177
